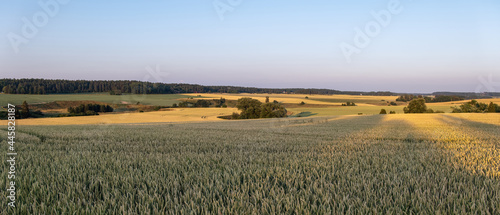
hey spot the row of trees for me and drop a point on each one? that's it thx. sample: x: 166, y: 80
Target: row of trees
x: 254, y: 109
x: 47, y: 86
x: 442, y: 98
x: 203, y: 103
x: 418, y: 106
x: 89, y: 109
x: 469, y: 95
x: 437, y: 98
x: 477, y: 107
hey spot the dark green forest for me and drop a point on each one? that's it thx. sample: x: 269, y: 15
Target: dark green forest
x: 59, y: 86
x: 47, y: 86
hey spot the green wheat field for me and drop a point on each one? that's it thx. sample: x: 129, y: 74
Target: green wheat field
x: 379, y: 164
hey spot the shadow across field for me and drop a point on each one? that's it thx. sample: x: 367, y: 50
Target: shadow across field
x: 492, y: 129
x: 304, y: 114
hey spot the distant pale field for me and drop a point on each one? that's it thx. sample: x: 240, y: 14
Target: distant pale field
x: 169, y: 99
x: 332, y: 107
x: 175, y: 115
x: 195, y: 115
x: 366, y: 110
x: 298, y: 98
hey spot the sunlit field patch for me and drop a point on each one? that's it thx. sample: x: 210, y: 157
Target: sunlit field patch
x: 474, y: 143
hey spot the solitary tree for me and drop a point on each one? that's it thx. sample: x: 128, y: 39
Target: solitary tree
x: 6, y: 89
x: 267, y: 99
x: 25, y: 111
x: 416, y: 106
x: 492, y: 108
x: 383, y: 111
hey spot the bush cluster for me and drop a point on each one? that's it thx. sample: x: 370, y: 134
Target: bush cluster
x: 203, y: 103
x: 349, y: 104
x: 477, y: 107
x: 89, y: 109
x: 254, y: 109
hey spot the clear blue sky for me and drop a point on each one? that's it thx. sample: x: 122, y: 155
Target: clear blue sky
x: 428, y: 46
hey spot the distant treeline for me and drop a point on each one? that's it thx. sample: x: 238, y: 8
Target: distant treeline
x: 58, y: 86
x: 437, y: 98
x: 47, y: 86
x: 469, y: 95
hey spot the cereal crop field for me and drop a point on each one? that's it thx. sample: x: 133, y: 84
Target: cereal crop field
x: 379, y: 164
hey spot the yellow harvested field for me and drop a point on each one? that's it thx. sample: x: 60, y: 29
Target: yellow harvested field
x: 262, y: 97
x: 328, y: 105
x: 174, y: 115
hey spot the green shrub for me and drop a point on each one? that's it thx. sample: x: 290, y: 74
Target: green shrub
x: 416, y: 106
x: 250, y: 108
x: 89, y: 109
x: 235, y: 116
x: 349, y: 104
x: 272, y: 110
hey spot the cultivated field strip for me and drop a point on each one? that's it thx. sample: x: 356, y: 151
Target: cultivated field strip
x: 393, y: 164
